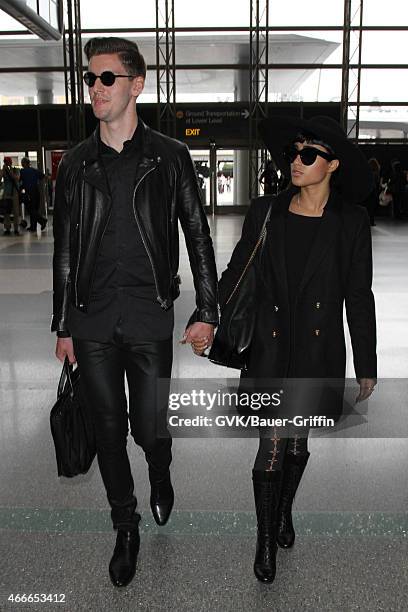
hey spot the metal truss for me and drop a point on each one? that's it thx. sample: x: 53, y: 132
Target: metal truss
x: 258, y: 90
x: 166, y: 67
x: 351, y: 68
x: 73, y: 69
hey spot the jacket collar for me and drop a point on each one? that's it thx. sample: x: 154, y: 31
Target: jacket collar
x: 324, y: 238
x: 94, y: 172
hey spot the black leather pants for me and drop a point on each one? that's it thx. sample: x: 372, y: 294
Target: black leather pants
x: 103, y: 367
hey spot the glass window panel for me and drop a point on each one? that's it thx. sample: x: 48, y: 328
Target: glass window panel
x: 305, y: 85
x: 383, y: 121
x: 308, y: 47
x: 118, y: 14
x: 54, y: 14
x: 205, y: 85
x: 211, y: 13
x: 201, y: 158
x: 393, y: 12
x: 30, y: 51
x: 8, y: 23
x: 212, y: 48
x: 385, y: 48
x: 387, y: 85
x: 284, y: 85
x: 44, y: 11
x: 380, y: 131
x: 281, y: 12
x: 284, y: 47
x: 145, y: 41
x: 22, y: 88
x: 301, y: 13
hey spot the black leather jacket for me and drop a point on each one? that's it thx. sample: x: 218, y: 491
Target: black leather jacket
x: 166, y: 190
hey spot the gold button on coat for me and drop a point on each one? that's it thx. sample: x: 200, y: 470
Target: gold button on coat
x: 274, y: 333
x: 317, y: 332
x: 317, y: 304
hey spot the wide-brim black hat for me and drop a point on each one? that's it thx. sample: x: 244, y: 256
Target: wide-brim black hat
x: 354, y: 178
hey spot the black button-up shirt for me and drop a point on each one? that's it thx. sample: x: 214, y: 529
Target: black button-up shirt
x: 123, y: 290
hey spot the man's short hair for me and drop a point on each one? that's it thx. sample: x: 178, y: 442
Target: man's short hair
x: 25, y: 161
x: 128, y: 52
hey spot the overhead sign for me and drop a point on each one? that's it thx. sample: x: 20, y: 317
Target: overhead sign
x: 212, y: 122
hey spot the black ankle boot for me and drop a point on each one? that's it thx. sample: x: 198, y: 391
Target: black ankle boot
x: 293, y: 468
x: 161, y: 496
x: 266, y: 492
x: 122, y: 566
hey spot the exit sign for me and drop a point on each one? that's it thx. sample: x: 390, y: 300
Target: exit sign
x: 193, y: 131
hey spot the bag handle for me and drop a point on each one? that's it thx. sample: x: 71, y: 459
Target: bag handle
x: 67, y: 369
x: 260, y: 241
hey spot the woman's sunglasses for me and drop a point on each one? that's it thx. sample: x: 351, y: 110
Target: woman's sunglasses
x: 308, y: 155
x: 107, y: 78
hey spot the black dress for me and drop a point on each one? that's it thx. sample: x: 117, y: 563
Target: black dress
x: 300, y: 233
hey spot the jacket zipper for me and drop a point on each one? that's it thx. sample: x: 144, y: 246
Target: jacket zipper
x: 159, y: 298
x: 79, y: 234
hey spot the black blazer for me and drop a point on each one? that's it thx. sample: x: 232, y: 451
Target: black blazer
x: 338, y: 271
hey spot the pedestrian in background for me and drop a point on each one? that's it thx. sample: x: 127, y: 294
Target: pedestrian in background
x: 10, y: 202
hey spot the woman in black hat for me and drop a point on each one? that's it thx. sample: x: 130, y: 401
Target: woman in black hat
x: 316, y: 257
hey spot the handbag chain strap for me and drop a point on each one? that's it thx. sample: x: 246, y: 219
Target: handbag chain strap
x: 260, y: 240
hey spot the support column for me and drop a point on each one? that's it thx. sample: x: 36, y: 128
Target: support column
x: 166, y: 67
x: 73, y: 69
x: 258, y: 92
x: 241, y: 158
x: 351, y: 71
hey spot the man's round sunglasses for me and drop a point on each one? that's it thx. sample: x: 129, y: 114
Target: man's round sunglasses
x: 308, y: 155
x: 107, y: 78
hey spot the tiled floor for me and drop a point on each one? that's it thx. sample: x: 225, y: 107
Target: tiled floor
x: 351, y: 550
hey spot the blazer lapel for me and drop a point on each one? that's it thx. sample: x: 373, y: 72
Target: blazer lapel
x: 275, y: 245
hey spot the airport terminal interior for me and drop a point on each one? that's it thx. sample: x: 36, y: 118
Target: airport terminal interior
x: 214, y: 71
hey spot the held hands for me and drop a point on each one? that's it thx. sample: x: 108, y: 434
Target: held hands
x: 64, y: 348
x: 200, y: 336
x: 366, y: 388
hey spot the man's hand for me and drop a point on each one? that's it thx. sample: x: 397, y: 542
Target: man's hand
x: 199, y: 335
x: 64, y: 348
x: 366, y: 388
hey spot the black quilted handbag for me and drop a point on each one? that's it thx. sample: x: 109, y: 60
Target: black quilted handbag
x: 71, y: 426
x: 234, y: 333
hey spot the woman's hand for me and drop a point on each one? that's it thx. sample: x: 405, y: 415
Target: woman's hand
x: 199, y: 345
x: 200, y: 336
x: 366, y: 388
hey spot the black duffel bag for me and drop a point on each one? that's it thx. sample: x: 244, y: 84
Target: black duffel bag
x: 71, y: 426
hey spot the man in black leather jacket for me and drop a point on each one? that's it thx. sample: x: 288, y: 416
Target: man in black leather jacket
x: 119, y: 196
